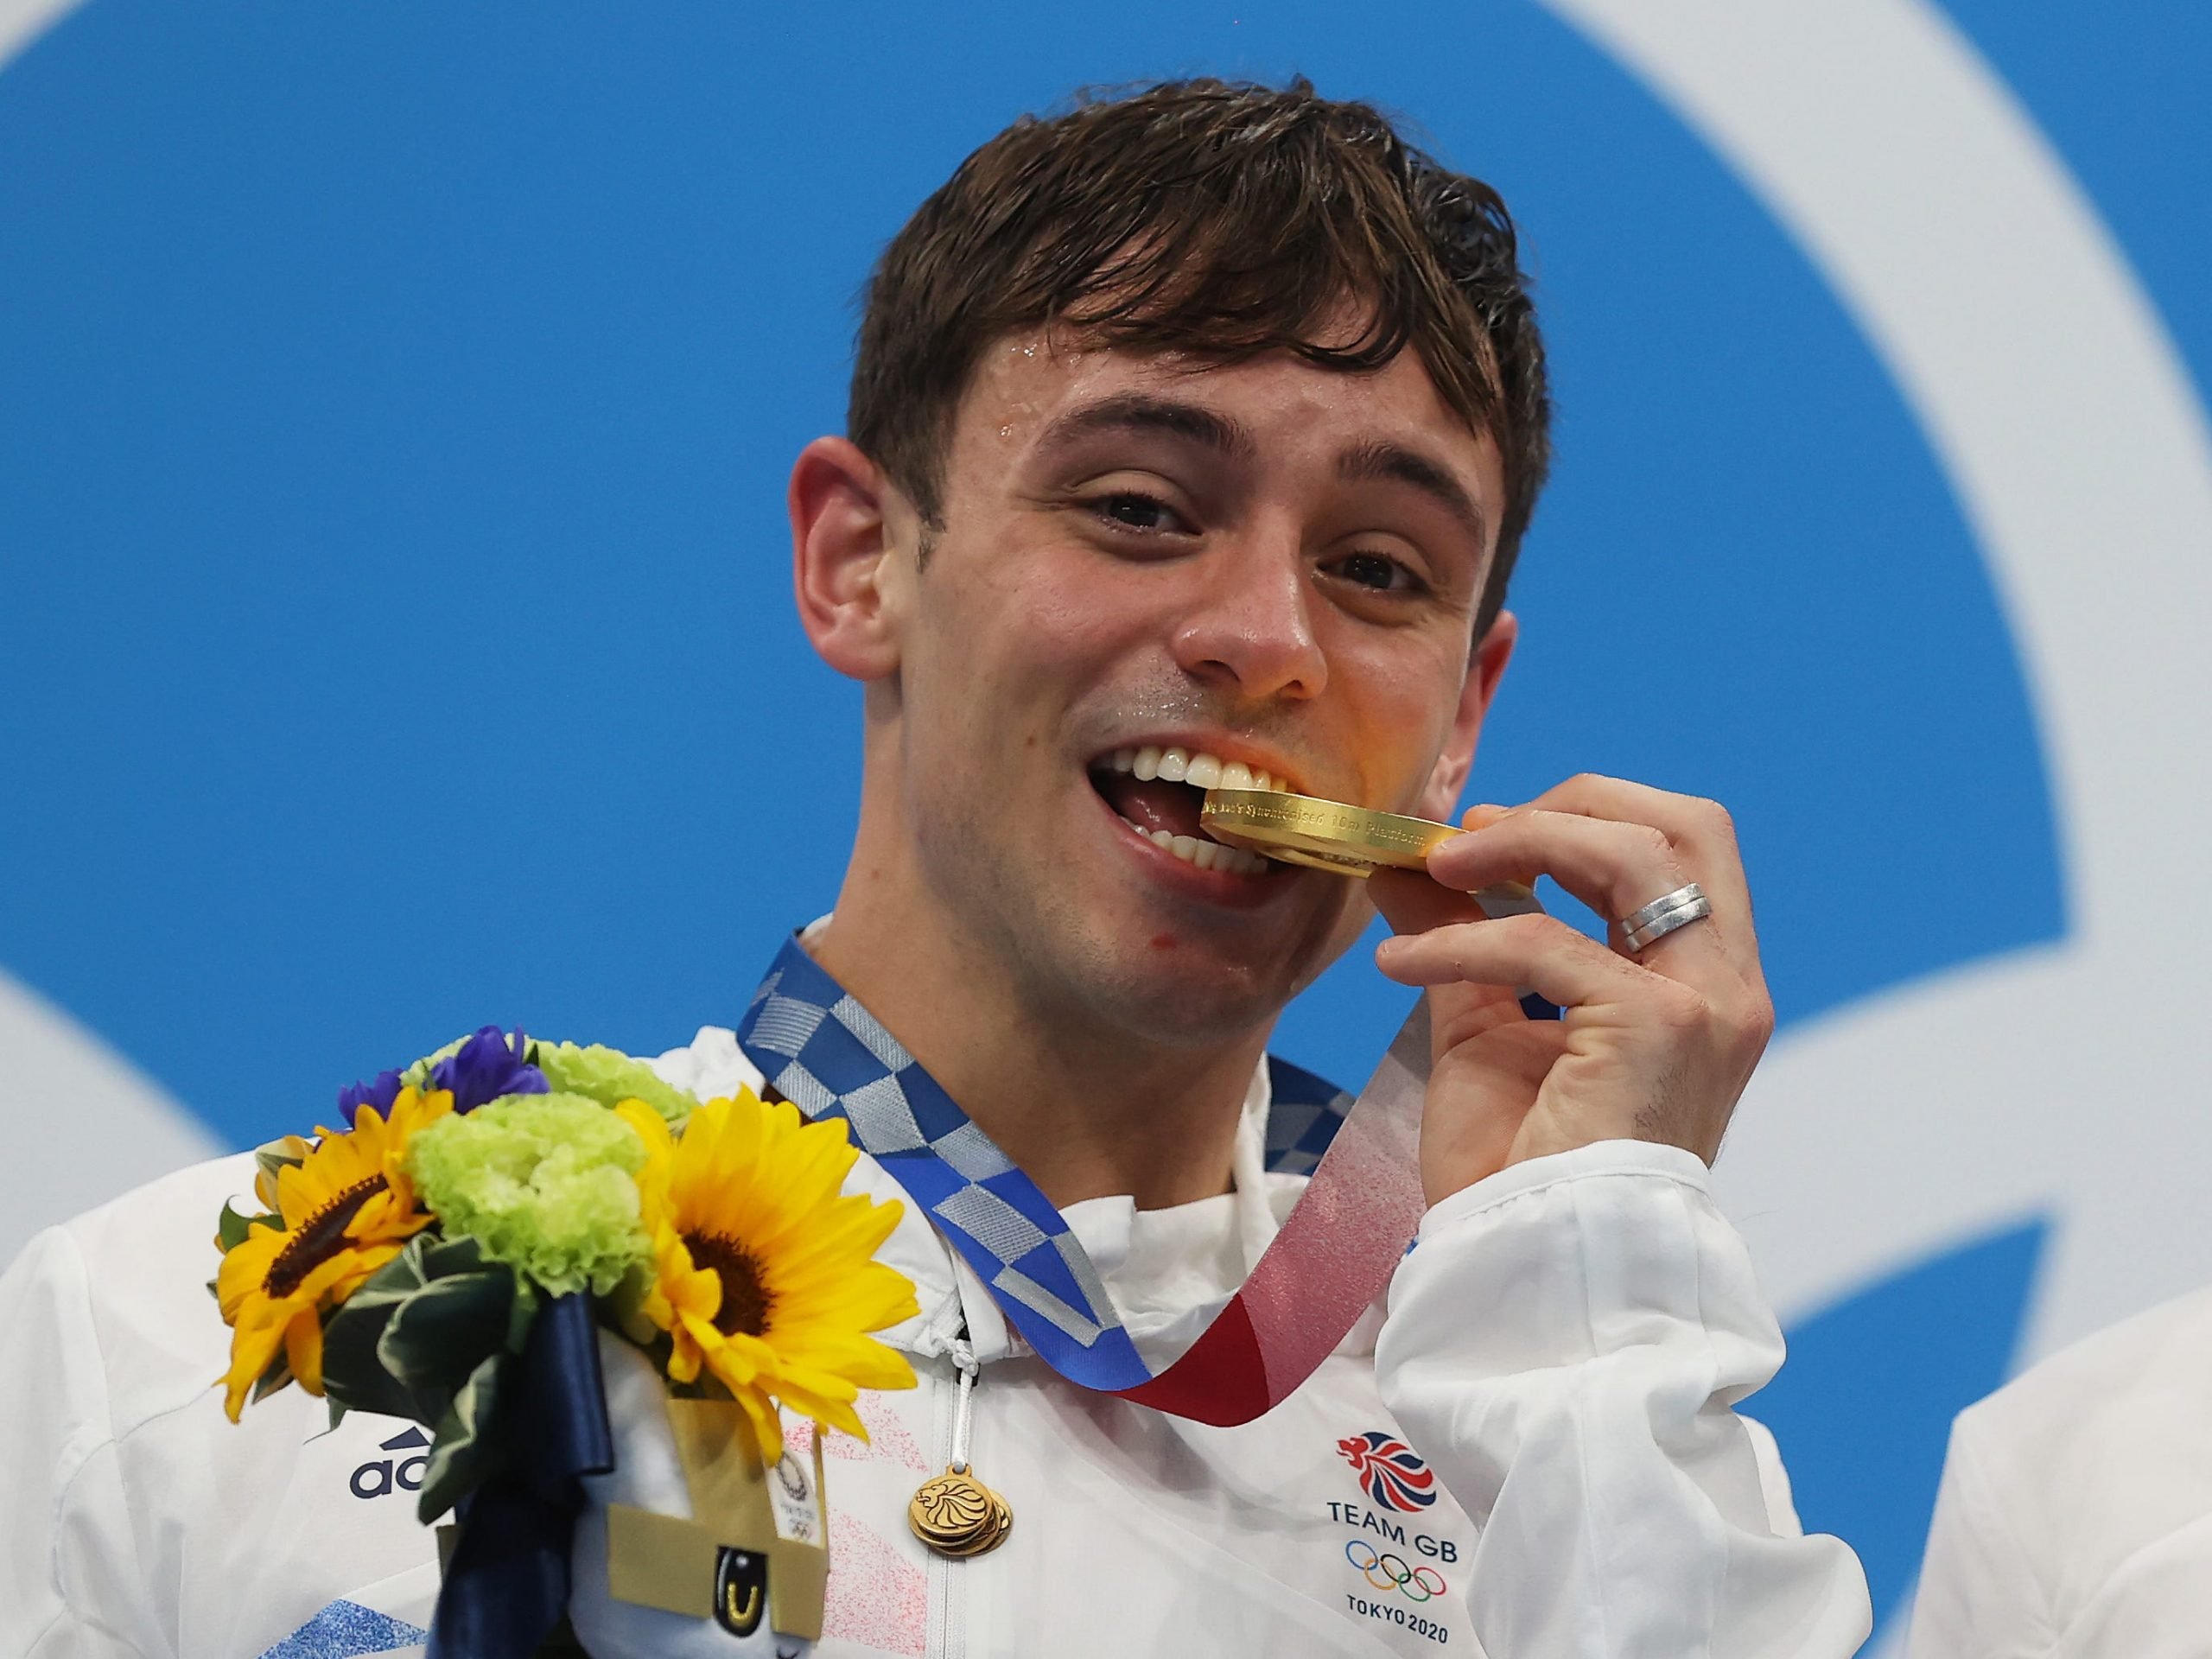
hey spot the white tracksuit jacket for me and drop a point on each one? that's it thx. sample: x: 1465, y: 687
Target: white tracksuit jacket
x: 1564, y: 1345
x: 2076, y: 1515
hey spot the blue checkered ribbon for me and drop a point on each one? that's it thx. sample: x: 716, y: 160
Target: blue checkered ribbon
x: 821, y: 1050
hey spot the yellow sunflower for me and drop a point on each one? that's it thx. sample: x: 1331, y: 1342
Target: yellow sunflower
x: 765, y: 1274
x: 347, y: 1207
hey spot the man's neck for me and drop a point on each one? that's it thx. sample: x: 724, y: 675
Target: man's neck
x: 1085, y: 1111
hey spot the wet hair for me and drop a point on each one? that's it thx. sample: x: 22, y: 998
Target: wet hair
x: 1221, y: 219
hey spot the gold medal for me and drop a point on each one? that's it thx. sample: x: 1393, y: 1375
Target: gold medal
x: 991, y: 1537
x: 957, y: 1515
x: 1321, y: 835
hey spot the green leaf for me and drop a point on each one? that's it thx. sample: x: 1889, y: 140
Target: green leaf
x: 465, y: 1452
x: 409, y: 1338
x: 272, y: 1156
x: 426, y: 1338
x: 232, y: 1228
x: 443, y: 1331
x: 353, y: 1374
x: 625, y: 1311
x: 443, y: 1257
x: 274, y: 1378
x: 354, y: 1377
x: 522, y: 1316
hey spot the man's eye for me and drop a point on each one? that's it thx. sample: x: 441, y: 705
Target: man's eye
x: 1378, y: 571
x: 1136, y: 511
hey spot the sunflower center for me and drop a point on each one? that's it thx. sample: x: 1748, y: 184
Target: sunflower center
x: 746, y: 1300
x: 318, y: 1238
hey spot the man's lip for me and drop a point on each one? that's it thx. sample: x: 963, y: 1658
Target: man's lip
x: 1222, y: 747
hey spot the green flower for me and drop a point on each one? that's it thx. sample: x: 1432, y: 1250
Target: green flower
x: 544, y: 1183
x: 610, y: 1078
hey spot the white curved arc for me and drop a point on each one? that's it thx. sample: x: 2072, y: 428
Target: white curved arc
x: 23, y: 22
x: 1957, y: 240
x: 125, y: 1128
x: 2055, y: 1079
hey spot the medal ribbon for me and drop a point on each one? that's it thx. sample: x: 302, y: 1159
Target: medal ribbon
x: 820, y: 1049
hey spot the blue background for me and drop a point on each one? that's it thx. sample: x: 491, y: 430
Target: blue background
x: 394, y: 620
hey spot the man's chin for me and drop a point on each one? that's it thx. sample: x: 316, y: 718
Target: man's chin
x: 1124, y: 955
x: 1175, y: 991
x: 1188, y: 1016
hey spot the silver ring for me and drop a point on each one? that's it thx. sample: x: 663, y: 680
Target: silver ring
x: 1669, y: 912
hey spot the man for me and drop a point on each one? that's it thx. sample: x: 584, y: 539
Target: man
x: 1192, y: 438
x: 2075, y: 1514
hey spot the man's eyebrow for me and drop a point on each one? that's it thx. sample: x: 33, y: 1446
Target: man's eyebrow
x: 1142, y: 411
x: 1382, y: 460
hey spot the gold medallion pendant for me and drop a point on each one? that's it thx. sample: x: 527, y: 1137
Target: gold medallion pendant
x: 957, y: 1515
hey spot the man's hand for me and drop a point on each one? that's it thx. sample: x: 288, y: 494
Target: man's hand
x: 1656, y: 1047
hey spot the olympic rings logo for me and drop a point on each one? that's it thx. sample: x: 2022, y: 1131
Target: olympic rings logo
x: 1387, y: 1572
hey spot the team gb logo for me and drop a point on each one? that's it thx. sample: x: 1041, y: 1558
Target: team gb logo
x: 1390, y: 1473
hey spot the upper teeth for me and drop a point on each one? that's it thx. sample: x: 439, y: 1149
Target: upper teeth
x: 1201, y: 771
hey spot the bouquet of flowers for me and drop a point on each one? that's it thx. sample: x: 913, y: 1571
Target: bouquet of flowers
x: 502, y: 1221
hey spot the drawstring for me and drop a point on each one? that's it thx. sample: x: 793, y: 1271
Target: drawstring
x: 963, y: 1360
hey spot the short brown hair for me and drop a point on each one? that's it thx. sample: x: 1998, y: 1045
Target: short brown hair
x: 1218, y: 218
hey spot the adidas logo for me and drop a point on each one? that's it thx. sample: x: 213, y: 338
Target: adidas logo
x: 376, y: 1479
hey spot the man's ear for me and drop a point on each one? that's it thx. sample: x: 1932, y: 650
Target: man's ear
x: 845, y: 520
x: 1484, y: 669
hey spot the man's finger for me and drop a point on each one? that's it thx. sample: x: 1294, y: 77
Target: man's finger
x: 1612, y: 868
x: 1413, y: 904
x: 1615, y: 868
x: 1540, y: 952
x: 1701, y: 830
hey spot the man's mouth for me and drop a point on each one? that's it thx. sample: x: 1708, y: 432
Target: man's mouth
x: 1158, y: 792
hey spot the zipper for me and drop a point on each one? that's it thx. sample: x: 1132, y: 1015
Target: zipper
x: 947, y: 1582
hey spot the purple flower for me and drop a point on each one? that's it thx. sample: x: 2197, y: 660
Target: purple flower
x: 485, y: 1067
x: 379, y: 1094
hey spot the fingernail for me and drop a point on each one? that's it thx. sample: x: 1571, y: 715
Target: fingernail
x: 1481, y: 817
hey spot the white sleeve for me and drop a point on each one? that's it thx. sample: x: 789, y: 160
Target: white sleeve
x: 63, y: 1516
x: 1980, y: 1596
x: 1565, y: 1344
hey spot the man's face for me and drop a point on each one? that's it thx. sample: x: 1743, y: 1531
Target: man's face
x: 1270, y: 565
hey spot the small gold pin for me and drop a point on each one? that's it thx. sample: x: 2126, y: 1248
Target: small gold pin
x: 956, y: 1515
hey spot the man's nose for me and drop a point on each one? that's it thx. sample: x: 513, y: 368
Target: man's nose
x: 1249, y: 627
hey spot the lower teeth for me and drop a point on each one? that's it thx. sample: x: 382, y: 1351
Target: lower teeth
x: 1206, y: 854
